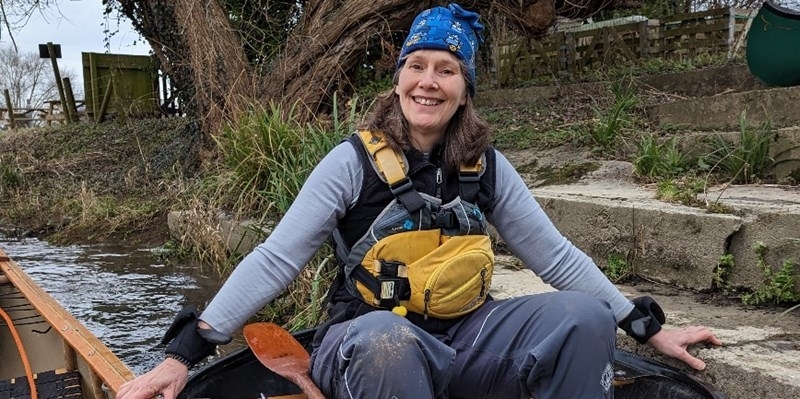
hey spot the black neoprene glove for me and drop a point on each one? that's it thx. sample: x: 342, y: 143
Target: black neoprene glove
x: 645, y: 320
x: 187, y: 343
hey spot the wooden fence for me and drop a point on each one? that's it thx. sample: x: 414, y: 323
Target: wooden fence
x: 574, y: 50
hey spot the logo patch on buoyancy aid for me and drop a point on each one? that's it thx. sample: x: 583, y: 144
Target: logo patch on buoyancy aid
x: 431, y: 258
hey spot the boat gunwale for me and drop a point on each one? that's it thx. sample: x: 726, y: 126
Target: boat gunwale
x: 104, y: 364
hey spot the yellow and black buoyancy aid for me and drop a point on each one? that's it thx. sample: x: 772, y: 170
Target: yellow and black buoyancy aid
x: 419, y: 254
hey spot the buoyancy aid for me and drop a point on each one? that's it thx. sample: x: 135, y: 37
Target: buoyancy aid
x: 420, y: 254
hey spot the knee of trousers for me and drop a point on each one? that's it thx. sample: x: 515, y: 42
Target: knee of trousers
x: 584, y: 313
x: 377, y: 328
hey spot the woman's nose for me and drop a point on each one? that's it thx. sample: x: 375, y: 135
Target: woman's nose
x: 428, y: 81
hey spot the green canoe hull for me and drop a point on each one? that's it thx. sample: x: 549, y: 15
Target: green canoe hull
x: 773, y: 45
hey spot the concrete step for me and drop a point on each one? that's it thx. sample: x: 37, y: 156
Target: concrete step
x: 777, y: 106
x: 673, y: 243
x: 760, y: 357
x: 683, y: 85
x: 784, y: 149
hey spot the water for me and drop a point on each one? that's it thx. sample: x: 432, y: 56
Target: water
x: 123, y: 295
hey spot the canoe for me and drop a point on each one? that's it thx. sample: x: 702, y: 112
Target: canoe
x: 43, y: 342
x: 240, y: 375
x: 773, y: 45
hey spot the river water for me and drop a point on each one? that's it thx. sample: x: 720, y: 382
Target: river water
x: 124, y: 295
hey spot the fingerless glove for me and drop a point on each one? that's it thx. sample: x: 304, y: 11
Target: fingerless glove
x: 188, y: 344
x: 645, y: 320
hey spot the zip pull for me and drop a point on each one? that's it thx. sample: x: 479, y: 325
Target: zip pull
x: 439, y: 182
x: 483, y: 282
x: 427, y: 299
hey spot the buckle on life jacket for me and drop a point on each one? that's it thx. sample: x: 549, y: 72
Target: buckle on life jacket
x: 401, y: 187
x: 393, y: 284
x: 444, y: 219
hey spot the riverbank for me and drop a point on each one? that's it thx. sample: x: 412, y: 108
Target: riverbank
x: 87, y: 183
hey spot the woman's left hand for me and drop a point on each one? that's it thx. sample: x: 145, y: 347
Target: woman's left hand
x: 673, y: 343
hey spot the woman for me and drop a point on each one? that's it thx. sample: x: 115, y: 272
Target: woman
x: 400, y: 221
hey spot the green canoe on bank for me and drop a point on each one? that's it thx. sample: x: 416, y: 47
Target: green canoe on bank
x: 773, y: 45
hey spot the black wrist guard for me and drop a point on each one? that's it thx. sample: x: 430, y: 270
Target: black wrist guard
x: 645, y: 320
x: 187, y: 343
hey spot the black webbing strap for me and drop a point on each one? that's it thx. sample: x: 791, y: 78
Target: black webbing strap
x: 406, y: 195
x: 469, y: 178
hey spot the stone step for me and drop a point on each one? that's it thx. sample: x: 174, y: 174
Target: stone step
x: 777, y: 106
x: 684, y: 85
x: 673, y: 243
x: 784, y: 149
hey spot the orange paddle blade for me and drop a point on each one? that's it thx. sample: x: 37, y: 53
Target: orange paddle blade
x: 280, y: 352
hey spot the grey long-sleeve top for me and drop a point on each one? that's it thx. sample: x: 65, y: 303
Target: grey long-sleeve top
x: 334, y: 186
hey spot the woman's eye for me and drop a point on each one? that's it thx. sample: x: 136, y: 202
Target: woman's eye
x: 415, y: 66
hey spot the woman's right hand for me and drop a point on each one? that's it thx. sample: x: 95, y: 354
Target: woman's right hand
x: 167, y: 379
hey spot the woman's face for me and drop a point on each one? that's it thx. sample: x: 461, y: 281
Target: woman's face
x: 431, y: 88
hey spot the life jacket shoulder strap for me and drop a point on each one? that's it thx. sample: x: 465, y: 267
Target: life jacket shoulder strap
x: 469, y: 178
x: 392, y: 168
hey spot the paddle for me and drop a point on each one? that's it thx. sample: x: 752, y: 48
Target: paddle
x: 280, y: 352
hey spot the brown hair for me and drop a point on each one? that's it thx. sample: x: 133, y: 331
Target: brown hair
x: 466, y: 137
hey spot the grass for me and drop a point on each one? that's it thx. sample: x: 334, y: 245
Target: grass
x: 778, y: 287
x: 655, y: 161
x: 682, y: 191
x: 617, y: 268
x: 615, y: 121
x: 746, y: 160
x: 265, y: 158
x: 10, y: 174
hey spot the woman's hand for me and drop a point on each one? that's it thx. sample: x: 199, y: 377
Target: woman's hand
x: 167, y: 379
x: 673, y: 343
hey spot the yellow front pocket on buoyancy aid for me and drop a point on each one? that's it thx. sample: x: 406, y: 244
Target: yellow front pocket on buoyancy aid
x: 447, y: 276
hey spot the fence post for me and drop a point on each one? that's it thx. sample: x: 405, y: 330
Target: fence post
x: 570, y: 46
x: 644, y: 39
x: 72, y: 111
x: 731, y: 30
x: 51, y: 49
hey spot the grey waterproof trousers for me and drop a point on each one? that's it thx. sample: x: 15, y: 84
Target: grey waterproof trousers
x: 551, y: 345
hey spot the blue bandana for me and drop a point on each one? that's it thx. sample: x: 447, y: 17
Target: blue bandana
x: 452, y: 29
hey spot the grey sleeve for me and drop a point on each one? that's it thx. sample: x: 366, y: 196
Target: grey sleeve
x: 271, y: 267
x: 532, y: 237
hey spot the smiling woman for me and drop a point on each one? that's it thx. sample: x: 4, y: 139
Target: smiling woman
x: 408, y: 200
x: 431, y: 88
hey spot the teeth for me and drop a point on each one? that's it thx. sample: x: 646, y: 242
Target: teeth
x: 426, y: 101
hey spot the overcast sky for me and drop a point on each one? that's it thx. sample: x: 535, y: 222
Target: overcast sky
x: 77, y: 25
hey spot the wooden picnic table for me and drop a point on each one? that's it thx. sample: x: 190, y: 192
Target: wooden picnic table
x: 22, y: 116
x: 51, y: 111
x: 55, y: 110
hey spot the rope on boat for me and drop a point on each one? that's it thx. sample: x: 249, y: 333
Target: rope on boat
x: 22, y: 353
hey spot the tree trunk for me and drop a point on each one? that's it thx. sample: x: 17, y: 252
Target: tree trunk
x: 223, y: 80
x: 200, y: 52
x: 327, y: 45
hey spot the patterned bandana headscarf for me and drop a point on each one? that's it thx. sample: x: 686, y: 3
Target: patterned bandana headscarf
x: 453, y: 29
